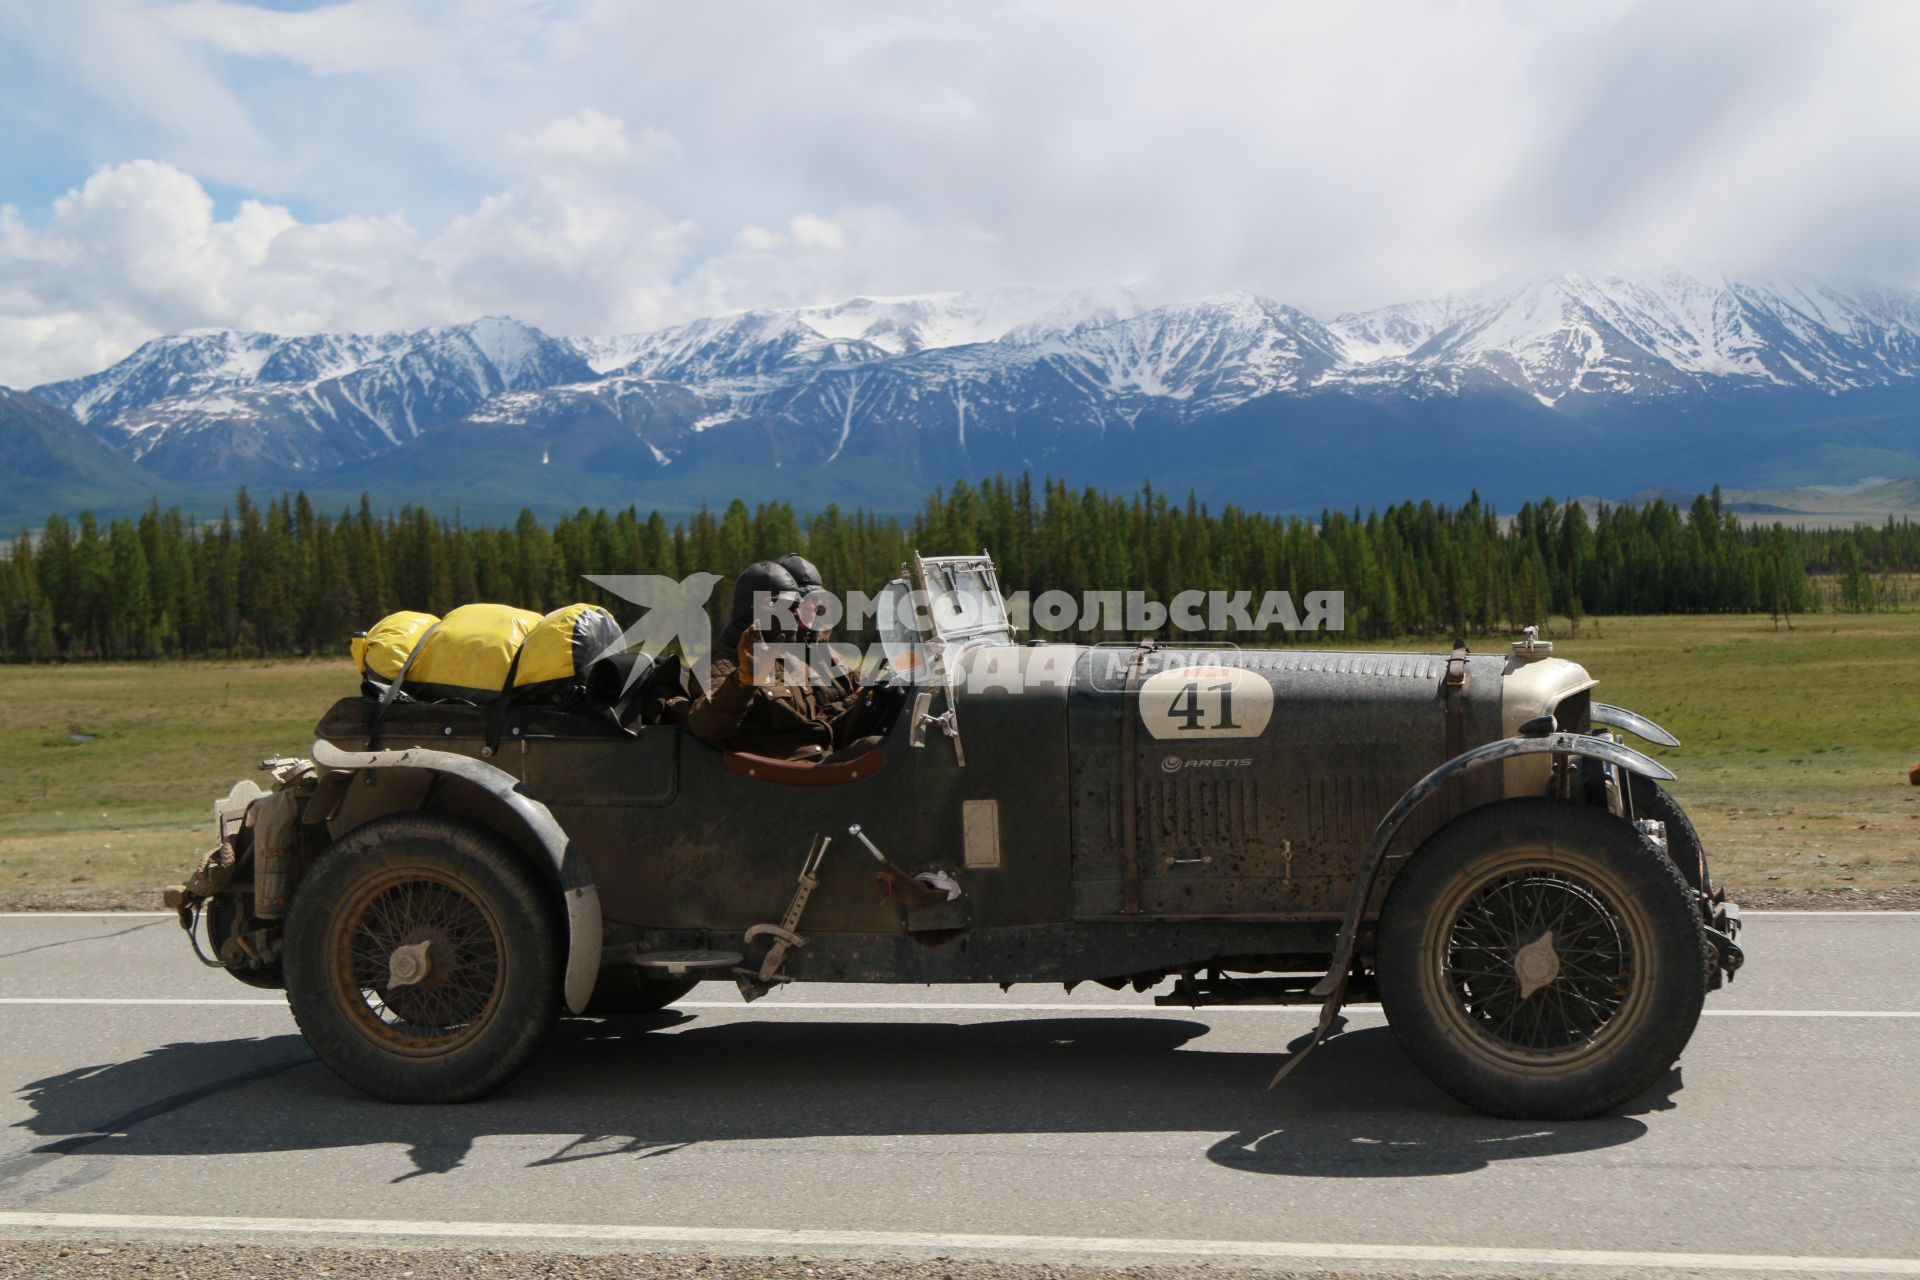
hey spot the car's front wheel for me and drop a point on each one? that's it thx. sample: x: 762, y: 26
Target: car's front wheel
x: 423, y: 959
x: 1538, y: 959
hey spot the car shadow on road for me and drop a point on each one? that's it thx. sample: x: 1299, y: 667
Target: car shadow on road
x: 647, y: 1088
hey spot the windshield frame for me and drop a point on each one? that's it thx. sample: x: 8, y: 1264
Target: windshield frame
x: 955, y: 628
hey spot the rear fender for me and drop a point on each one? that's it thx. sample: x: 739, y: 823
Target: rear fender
x: 568, y: 869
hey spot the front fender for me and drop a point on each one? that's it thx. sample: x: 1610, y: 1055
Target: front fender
x: 1333, y: 985
x: 570, y: 868
x: 1633, y: 722
x: 1572, y: 744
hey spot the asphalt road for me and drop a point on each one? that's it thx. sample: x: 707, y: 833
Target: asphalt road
x: 142, y: 1092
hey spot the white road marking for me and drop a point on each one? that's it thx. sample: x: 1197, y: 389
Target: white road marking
x: 776, y: 1239
x: 1020, y: 1006
x: 111, y: 914
x: 962, y: 1006
x: 1748, y: 915
x: 116, y: 1000
x: 1808, y: 1013
x: 1039, y: 1007
x: 87, y: 915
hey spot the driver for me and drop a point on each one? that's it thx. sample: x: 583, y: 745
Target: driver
x: 778, y: 711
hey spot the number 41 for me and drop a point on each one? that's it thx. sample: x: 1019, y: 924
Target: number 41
x: 1186, y: 707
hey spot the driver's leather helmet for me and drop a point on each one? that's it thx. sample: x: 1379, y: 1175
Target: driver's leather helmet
x: 811, y: 589
x: 763, y: 579
x: 802, y: 570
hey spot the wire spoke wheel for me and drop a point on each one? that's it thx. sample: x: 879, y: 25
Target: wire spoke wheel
x: 446, y: 926
x: 1538, y: 963
x: 424, y: 958
x: 1538, y: 959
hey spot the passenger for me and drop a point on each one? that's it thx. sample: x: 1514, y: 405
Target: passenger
x: 839, y: 687
x: 778, y: 712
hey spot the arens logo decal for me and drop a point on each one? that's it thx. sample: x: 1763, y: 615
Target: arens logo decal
x: 1174, y: 764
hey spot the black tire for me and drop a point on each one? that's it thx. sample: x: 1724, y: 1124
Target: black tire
x: 1515, y: 1028
x: 625, y: 995
x: 480, y: 1015
x: 1651, y: 800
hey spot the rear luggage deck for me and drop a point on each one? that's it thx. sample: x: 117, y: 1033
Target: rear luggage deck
x: 451, y: 726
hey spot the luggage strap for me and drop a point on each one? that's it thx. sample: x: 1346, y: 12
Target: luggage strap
x: 1454, y: 690
x: 1130, y: 781
x: 377, y: 716
x: 497, y: 718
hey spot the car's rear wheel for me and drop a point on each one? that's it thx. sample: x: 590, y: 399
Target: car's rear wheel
x: 1538, y: 959
x: 423, y: 959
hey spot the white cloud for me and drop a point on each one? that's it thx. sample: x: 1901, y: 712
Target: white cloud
x: 138, y: 251
x: 336, y: 39
x: 594, y: 138
x: 601, y: 165
x: 817, y: 258
x: 133, y: 251
x: 810, y: 231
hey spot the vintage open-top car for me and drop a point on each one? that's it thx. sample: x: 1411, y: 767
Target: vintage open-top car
x: 1460, y: 836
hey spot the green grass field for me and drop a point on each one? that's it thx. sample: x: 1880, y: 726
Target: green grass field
x: 108, y: 772
x: 1797, y: 747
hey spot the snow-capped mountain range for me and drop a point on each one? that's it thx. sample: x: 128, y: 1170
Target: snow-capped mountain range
x: 227, y: 400
x: 878, y: 397
x: 1671, y: 333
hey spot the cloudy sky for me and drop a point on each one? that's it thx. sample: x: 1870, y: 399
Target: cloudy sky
x: 615, y: 166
